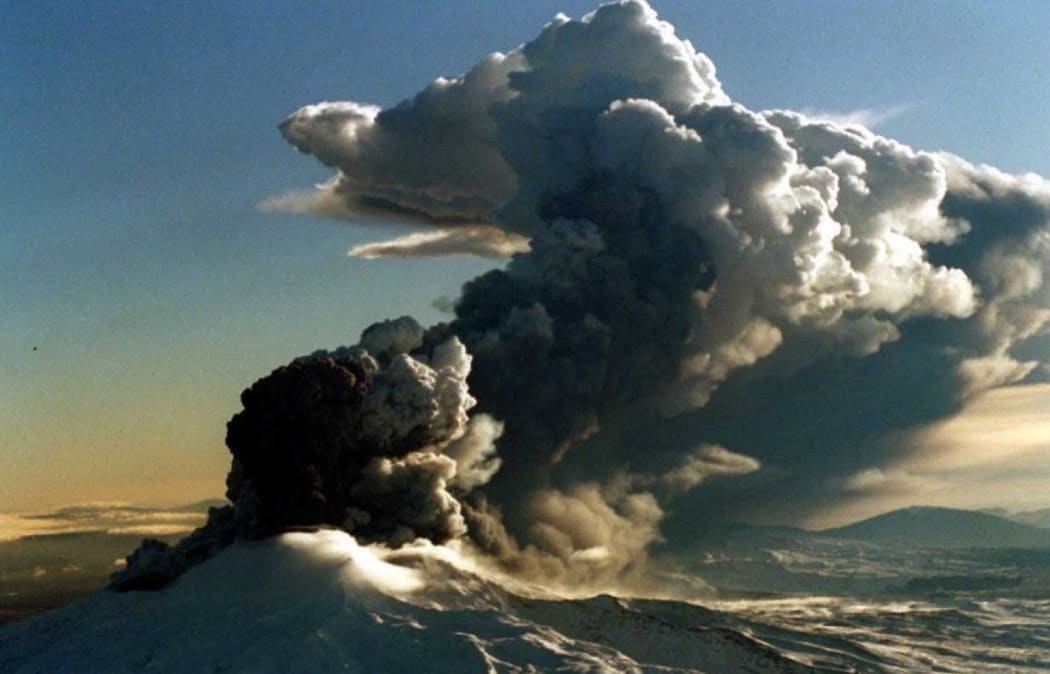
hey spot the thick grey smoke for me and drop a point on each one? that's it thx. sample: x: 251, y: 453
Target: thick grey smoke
x: 783, y: 293
x: 354, y: 439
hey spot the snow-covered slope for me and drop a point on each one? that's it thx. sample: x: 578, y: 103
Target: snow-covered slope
x: 319, y: 602
x: 740, y: 559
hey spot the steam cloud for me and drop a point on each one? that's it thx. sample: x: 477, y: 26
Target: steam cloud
x: 780, y: 291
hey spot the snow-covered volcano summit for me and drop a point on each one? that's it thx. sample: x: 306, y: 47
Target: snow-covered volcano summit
x: 320, y: 602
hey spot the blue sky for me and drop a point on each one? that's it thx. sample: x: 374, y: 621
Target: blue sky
x: 138, y: 138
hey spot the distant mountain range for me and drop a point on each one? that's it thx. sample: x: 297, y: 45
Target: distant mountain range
x: 201, y: 506
x: 1035, y: 518
x: 910, y: 551
x: 945, y: 528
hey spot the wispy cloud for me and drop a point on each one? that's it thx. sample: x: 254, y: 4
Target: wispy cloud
x: 109, y: 517
x: 869, y: 118
x: 451, y: 237
x: 479, y: 240
x: 706, y: 462
x: 1005, y: 428
x: 321, y: 202
x: 882, y: 482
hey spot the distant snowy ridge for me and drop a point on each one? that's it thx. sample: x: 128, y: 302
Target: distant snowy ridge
x: 930, y: 527
x: 916, y: 551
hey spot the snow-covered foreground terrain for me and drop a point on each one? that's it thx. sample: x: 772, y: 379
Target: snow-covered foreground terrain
x: 318, y: 602
x: 744, y: 559
x: 932, y: 635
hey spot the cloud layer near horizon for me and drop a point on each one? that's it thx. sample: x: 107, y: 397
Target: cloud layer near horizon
x: 114, y: 518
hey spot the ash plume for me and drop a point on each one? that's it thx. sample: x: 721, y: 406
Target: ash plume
x: 783, y: 292
x: 353, y: 439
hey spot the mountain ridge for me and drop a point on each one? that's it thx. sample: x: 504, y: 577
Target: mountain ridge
x: 1036, y: 518
x: 940, y: 527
